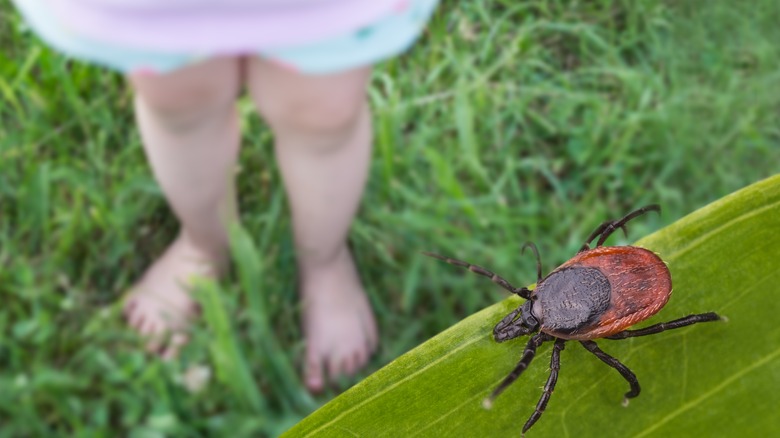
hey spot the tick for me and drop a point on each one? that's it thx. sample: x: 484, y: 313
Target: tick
x: 598, y: 293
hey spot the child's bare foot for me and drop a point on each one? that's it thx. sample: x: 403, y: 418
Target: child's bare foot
x: 159, y: 306
x: 338, y: 322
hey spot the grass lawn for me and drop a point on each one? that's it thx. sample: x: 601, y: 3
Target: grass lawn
x: 509, y: 121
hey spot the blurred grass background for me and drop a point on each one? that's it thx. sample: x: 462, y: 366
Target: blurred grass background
x: 509, y: 121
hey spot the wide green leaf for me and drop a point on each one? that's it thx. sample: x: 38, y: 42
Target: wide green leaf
x: 713, y: 379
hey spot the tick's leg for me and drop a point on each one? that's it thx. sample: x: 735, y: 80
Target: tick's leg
x: 507, y: 329
x: 610, y: 228
x: 538, y: 260
x: 658, y: 328
x: 607, y: 228
x: 528, y: 355
x: 555, y: 365
x: 614, y: 363
x: 597, y: 232
x: 495, y: 278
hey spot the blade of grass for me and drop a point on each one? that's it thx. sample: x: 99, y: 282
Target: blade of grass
x: 230, y: 363
x: 282, y: 375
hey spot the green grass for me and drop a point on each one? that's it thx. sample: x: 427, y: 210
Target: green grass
x: 509, y: 121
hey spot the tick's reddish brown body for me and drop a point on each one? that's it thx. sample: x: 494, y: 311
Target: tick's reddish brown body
x: 640, y: 285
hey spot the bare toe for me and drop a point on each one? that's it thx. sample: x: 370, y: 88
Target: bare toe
x: 134, y: 319
x: 153, y: 336
x: 347, y: 367
x: 175, y: 344
x: 128, y: 308
x: 148, y: 329
x: 139, y: 322
x: 334, y: 368
x: 314, y: 379
x: 360, y: 358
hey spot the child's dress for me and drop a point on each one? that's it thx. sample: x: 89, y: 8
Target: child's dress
x: 309, y: 36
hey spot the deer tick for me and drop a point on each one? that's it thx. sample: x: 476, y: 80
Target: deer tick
x: 598, y: 293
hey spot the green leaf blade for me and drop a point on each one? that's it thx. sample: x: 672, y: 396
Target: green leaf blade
x: 711, y: 379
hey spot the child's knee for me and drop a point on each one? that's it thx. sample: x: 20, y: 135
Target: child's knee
x: 326, y: 106
x: 187, y: 95
x: 312, y: 115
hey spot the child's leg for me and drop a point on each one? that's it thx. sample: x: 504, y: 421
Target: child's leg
x: 323, y: 142
x: 190, y: 133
